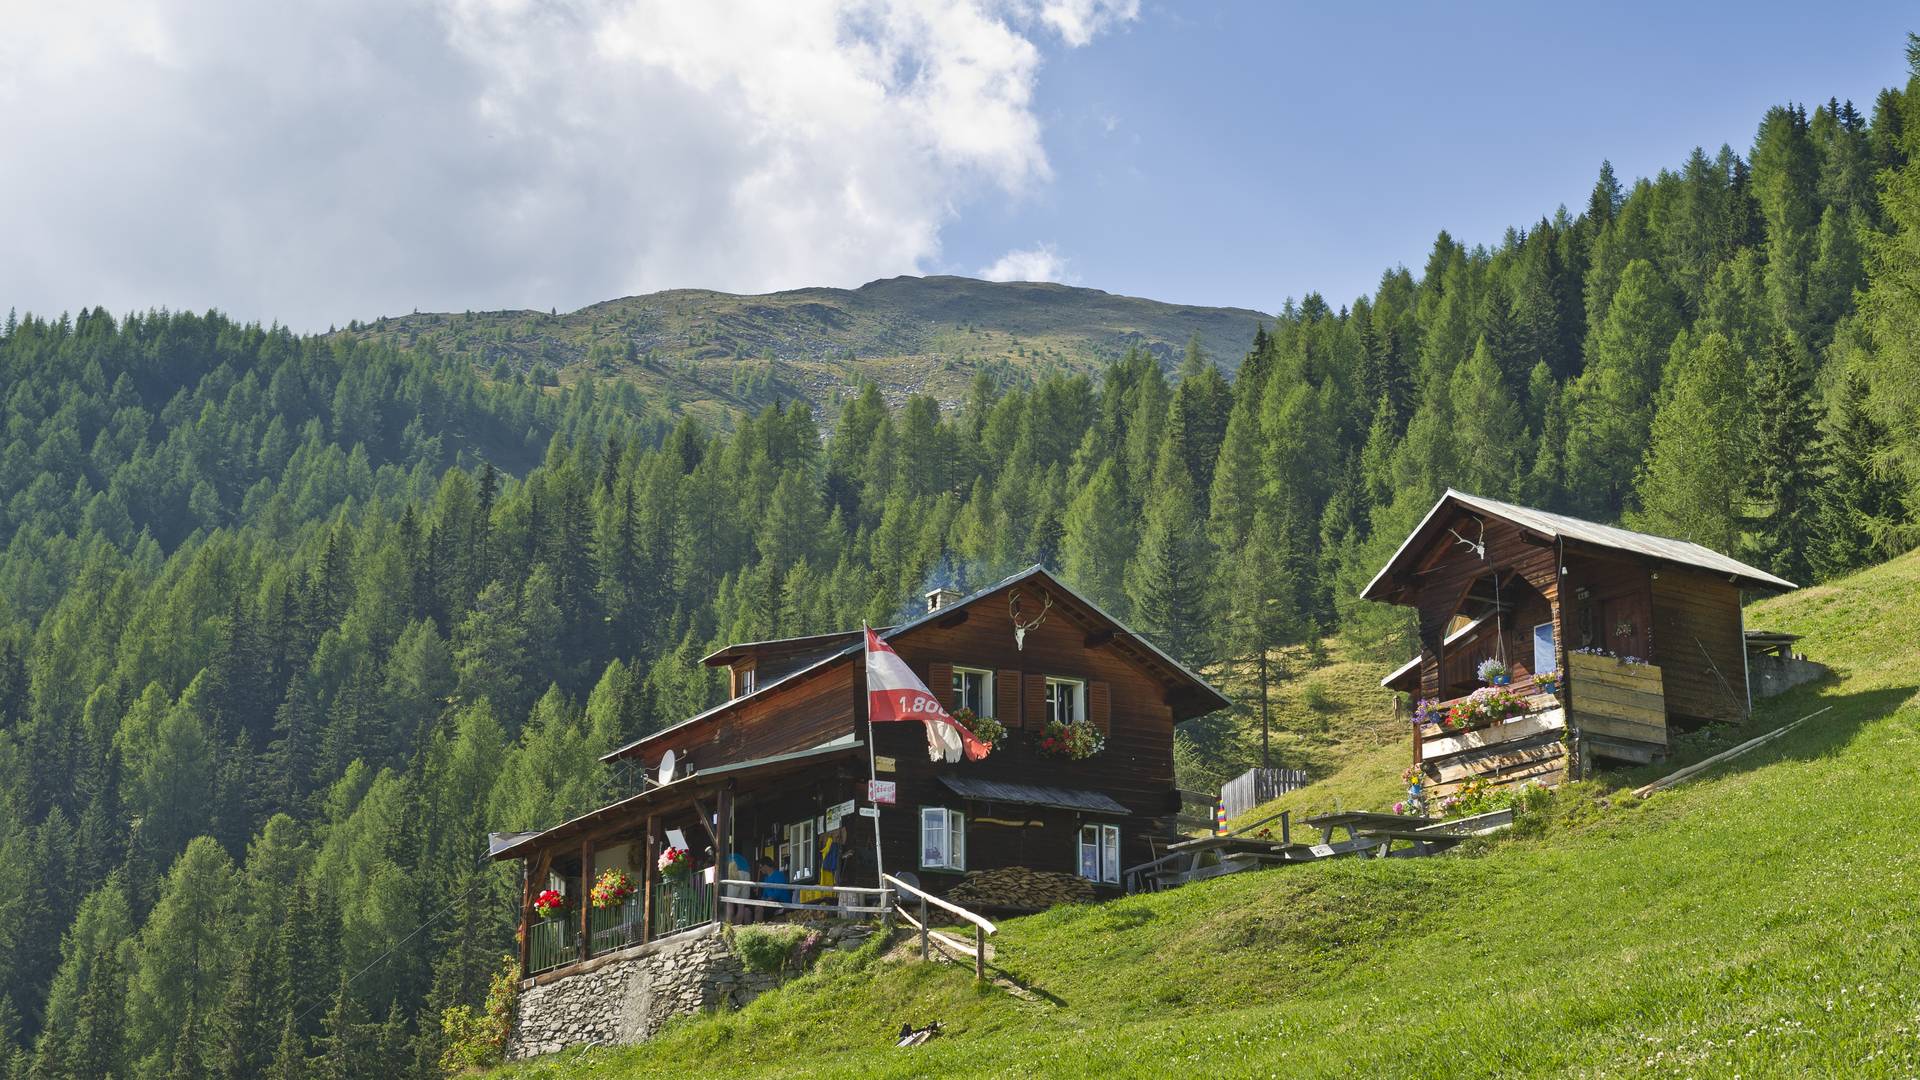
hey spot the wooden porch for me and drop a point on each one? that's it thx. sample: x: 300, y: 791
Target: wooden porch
x: 711, y: 815
x: 1603, y: 707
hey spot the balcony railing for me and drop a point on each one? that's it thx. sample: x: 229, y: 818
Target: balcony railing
x: 680, y: 905
x: 550, y: 944
x: 618, y: 927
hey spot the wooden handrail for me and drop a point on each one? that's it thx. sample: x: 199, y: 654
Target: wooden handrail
x: 801, y: 886
x: 954, y: 909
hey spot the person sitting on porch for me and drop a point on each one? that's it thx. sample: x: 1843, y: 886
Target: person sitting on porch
x: 773, y: 875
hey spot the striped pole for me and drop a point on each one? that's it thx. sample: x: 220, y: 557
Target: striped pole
x: 1219, y: 817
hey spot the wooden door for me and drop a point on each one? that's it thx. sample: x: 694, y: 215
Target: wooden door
x: 1626, y: 624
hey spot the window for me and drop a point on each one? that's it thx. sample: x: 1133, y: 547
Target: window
x: 746, y: 681
x: 1543, y: 649
x: 973, y: 689
x: 797, y: 854
x: 943, y: 839
x: 1100, y: 853
x: 1066, y: 700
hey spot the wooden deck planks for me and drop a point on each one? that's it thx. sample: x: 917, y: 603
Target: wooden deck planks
x: 1511, y: 731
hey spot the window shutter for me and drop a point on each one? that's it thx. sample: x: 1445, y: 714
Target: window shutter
x: 1034, y: 708
x: 1100, y: 706
x: 1006, y: 699
x: 940, y: 678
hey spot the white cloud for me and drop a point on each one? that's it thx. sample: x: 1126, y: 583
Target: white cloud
x: 316, y: 163
x: 1038, y: 263
x: 1077, y: 21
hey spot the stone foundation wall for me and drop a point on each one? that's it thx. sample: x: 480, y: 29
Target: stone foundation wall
x: 625, y: 997
x: 1776, y: 675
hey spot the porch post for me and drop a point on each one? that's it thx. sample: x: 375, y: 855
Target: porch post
x: 646, y: 886
x: 526, y: 914
x: 723, y: 846
x: 586, y: 908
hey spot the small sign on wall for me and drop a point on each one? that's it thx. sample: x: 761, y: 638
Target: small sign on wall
x: 837, y: 813
x: 882, y: 792
x: 884, y: 764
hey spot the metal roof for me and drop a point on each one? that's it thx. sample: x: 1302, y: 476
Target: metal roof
x: 511, y: 845
x: 800, y: 643
x: 974, y: 787
x: 1562, y: 527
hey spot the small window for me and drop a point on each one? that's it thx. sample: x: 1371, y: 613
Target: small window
x: 1543, y: 651
x: 973, y: 690
x: 797, y: 854
x: 943, y: 839
x: 1066, y: 700
x: 746, y: 681
x: 1100, y: 853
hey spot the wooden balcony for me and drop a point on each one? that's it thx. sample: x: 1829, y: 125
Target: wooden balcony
x: 1515, y: 750
x: 1614, y: 709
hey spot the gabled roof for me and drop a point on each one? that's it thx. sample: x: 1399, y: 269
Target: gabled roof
x: 515, y: 845
x: 1413, y: 665
x: 1562, y: 527
x: 1205, y: 694
x: 739, y: 649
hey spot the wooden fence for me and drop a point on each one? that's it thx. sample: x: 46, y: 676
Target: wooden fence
x: 924, y: 923
x: 1619, y: 709
x: 1256, y: 786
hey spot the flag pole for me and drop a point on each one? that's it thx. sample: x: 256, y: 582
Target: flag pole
x: 873, y: 772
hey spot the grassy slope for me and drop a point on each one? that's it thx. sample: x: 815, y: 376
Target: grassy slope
x: 1331, y: 719
x: 907, y: 334
x: 1754, y: 922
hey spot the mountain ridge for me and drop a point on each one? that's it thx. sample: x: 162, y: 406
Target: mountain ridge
x: 709, y: 351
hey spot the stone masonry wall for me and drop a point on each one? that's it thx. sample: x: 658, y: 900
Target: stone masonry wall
x: 1776, y: 675
x: 626, y: 997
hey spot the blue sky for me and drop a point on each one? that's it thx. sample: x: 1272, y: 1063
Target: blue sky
x: 317, y: 163
x: 1259, y: 151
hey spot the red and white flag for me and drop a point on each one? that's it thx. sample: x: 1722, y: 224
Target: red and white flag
x: 895, y: 693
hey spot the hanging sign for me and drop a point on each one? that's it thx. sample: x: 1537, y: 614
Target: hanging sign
x: 882, y: 792
x: 838, y: 813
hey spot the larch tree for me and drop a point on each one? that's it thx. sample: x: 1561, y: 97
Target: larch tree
x: 1613, y: 398
x: 1694, y: 478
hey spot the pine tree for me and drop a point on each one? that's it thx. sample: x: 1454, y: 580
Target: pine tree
x: 1859, y: 506
x: 1487, y: 429
x: 344, y: 1051
x: 1613, y: 398
x: 1099, y: 539
x: 186, y: 1050
x: 1693, y: 482
x: 1167, y: 580
x: 1260, y: 610
x: 1605, y: 201
x: 290, y: 1056
x: 1784, y: 482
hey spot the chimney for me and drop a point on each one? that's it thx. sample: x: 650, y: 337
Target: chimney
x: 942, y: 597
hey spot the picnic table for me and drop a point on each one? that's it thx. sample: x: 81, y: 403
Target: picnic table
x: 1426, y: 834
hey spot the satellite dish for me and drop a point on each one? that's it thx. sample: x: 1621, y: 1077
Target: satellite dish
x: 666, y: 767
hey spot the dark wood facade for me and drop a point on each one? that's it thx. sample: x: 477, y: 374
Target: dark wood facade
x: 1491, y: 580
x: 795, y: 748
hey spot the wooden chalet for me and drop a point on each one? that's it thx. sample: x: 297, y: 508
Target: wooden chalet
x: 781, y: 771
x: 1642, y: 631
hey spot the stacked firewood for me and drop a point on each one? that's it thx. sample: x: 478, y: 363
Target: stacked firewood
x: 1018, y: 888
